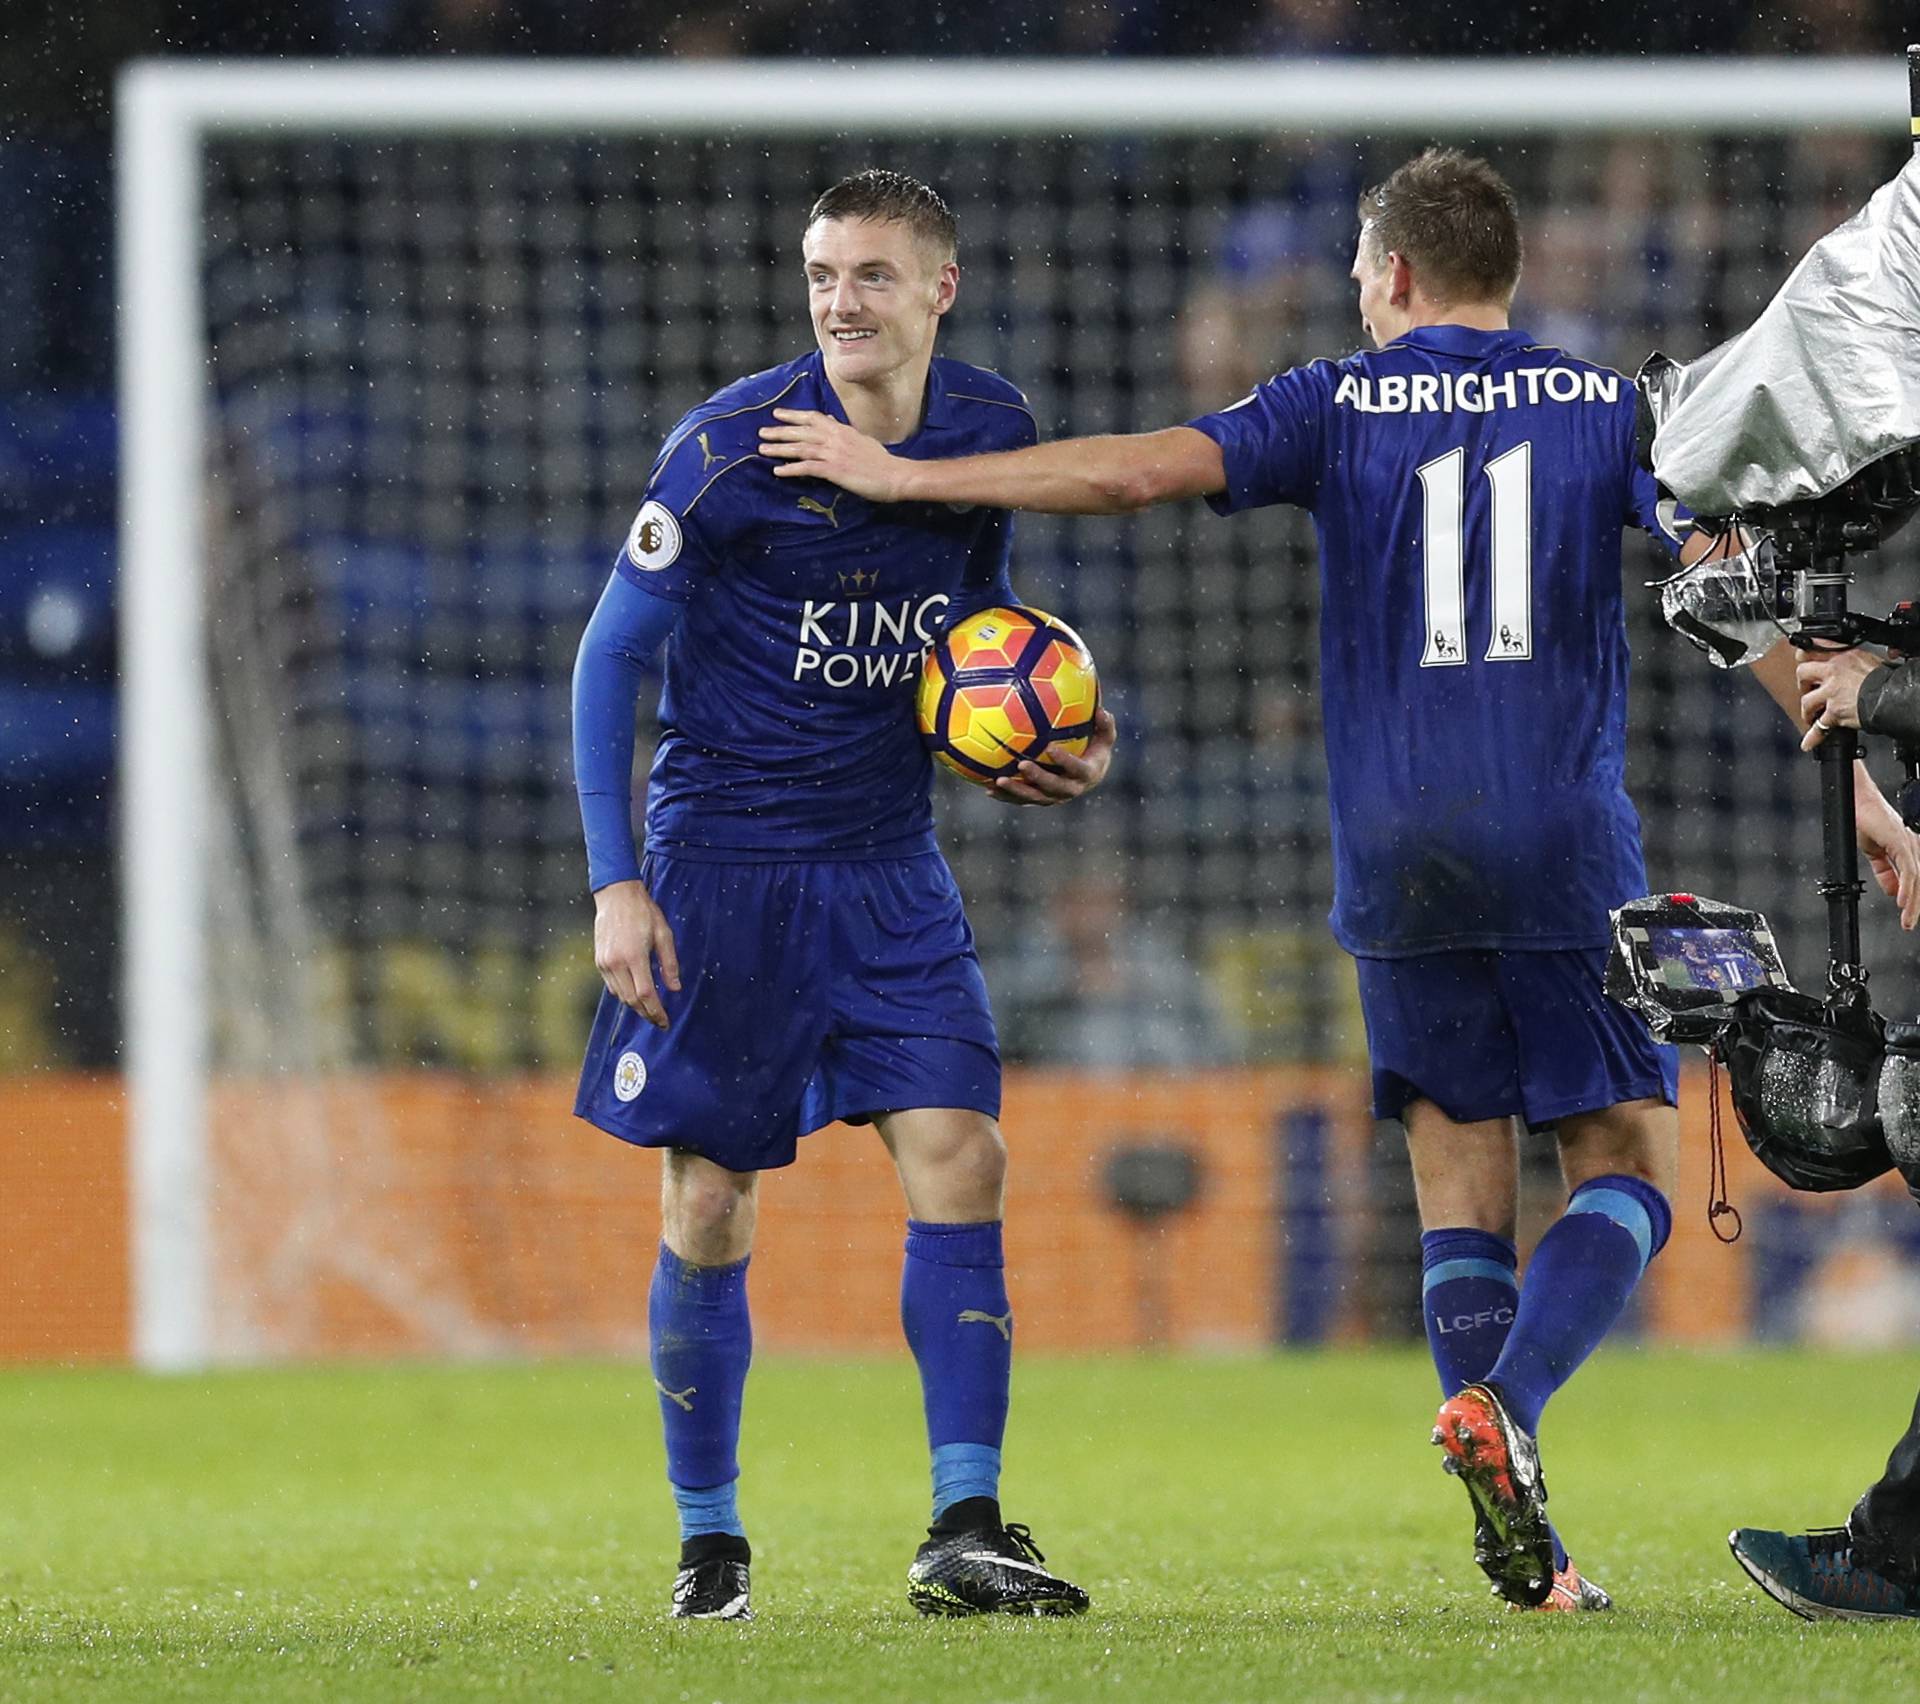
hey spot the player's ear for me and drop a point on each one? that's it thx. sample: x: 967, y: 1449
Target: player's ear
x: 1400, y: 283
x: 946, y: 285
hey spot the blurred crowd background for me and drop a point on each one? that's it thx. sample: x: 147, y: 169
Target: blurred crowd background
x: 1630, y: 246
x: 440, y: 367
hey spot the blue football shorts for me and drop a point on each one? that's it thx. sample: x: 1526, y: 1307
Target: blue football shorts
x: 1506, y: 1034
x: 810, y: 992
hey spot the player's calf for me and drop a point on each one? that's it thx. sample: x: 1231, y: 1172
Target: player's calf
x: 1576, y: 1286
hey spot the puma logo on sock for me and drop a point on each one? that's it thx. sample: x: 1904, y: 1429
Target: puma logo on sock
x: 1002, y: 1323
x: 683, y: 1397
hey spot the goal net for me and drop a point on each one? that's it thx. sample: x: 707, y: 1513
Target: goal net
x: 400, y: 348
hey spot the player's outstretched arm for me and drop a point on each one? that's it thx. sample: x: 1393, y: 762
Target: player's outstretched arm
x: 1072, y: 476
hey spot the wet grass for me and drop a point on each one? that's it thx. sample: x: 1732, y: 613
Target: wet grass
x: 1249, y: 1529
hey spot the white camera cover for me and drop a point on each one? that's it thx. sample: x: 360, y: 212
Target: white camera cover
x: 1825, y: 382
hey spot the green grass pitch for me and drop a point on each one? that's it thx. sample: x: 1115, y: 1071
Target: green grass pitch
x: 1250, y: 1530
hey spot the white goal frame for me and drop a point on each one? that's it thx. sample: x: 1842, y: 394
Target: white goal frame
x: 168, y: 110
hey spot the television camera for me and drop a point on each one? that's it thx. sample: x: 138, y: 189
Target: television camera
x: 1797, y: 447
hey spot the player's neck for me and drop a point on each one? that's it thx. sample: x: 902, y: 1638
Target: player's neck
x: 888, y: 409
x: 1474, y: 316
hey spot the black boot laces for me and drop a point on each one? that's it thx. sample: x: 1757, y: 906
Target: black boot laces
x: 1023, y: 1537
x: 1833, y: 1545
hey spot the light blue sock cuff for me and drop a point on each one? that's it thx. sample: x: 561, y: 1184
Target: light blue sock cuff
x: 1448, y: 1270
x: 1461, y: 1252
x: 1631, y: 1203
x: 961, y: 1471
x: 708, y: 1509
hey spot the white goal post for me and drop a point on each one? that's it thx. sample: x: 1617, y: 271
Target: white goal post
x: 169, y: 112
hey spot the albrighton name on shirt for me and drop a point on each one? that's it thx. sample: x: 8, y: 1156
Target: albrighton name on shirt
x: 1474, y: 393
x: 839, y: 641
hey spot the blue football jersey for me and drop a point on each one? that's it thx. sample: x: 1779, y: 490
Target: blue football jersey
x: 1469, y: 489
x: 786, y: 713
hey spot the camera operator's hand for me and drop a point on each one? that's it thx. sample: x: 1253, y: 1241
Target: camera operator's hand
x: 1890, y: 849
x: 1830, y: 691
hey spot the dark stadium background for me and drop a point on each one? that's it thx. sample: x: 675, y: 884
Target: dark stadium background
x: 59, y: 971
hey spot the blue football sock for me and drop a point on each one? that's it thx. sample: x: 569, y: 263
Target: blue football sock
x: 1469, y: 1284
x: 959, y: 1324
x: 1469, y: 1281
x: 702, y: 1340
x: 1577, y: 1282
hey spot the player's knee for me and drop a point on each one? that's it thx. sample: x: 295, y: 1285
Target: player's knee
x: 707, y: 1212
x: 1651, y: 1168
x: 988, y: 1165
x: 970, y: 1172
x: 1639, y: 1141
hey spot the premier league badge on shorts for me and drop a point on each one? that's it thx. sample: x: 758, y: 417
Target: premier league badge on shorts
x: 629, y: 1077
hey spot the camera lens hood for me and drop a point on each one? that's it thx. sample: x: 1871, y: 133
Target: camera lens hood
x: 1806, y: 1088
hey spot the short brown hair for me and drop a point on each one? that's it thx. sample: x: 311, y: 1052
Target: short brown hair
x: 895, y: 198
x: 1452, y: 218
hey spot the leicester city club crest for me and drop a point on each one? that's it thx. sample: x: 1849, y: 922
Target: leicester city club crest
x: 629, y: 1077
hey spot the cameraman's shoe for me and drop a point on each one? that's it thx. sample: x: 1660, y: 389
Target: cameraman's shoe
x: 1818, y: 1576
x: 1500, y: 1467
x: 982, y: 1567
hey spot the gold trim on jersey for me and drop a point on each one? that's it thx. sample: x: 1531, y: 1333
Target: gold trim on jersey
x: 997, y: 402
x: 699, y: 441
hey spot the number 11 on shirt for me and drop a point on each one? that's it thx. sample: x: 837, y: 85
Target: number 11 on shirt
x: 1510, y: 476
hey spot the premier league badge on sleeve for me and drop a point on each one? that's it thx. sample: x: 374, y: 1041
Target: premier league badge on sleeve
x: 654, y: 542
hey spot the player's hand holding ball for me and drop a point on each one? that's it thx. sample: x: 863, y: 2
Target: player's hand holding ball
x: 1009, y: 699
x: 629, y: 933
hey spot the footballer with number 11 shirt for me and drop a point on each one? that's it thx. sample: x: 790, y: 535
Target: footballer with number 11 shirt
x: 1469, y: 488
x: 816, y: 962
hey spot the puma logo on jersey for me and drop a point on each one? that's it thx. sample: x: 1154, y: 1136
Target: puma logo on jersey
x: 683, y: 1398
x: 1002, y: 1323
x: 707, y: 457
x: 814, y: 506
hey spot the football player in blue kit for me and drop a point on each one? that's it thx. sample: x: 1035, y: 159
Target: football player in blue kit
x: 814, y: 962
x: 1469, y: 488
